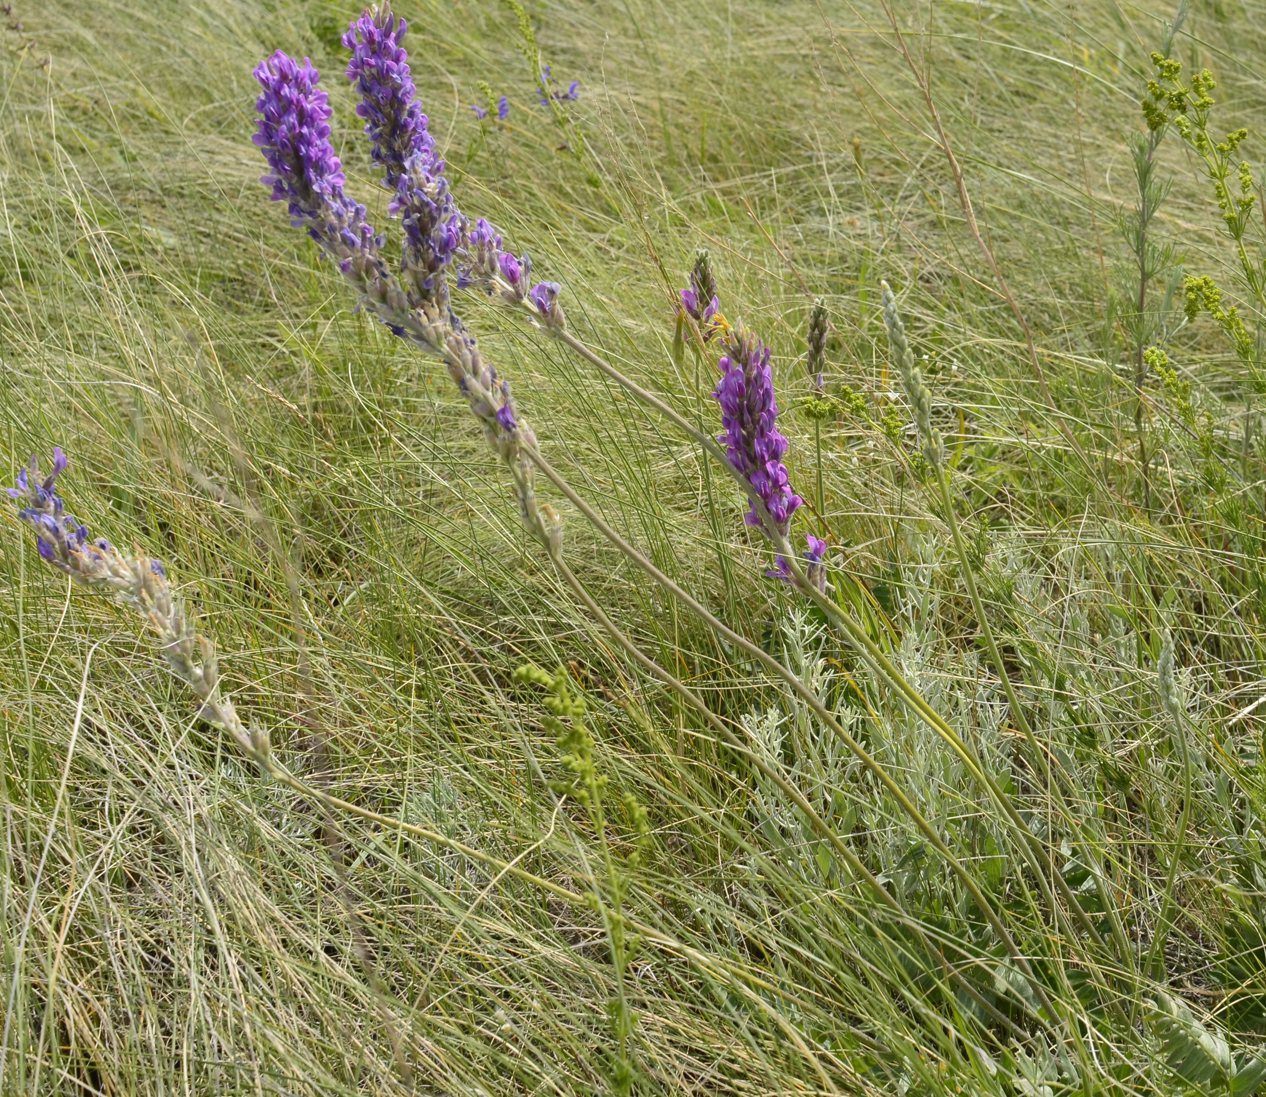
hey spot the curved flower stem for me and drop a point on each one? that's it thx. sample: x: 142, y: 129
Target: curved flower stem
x: 828, y: 718
x: 1039, y: 857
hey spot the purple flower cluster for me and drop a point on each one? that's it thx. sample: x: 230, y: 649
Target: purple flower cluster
x: 294, y: 136
x: 753, y: 443
x: 60, y: 538
x: 544, y: 94
x: 57, y: 534
x: 379, y: 69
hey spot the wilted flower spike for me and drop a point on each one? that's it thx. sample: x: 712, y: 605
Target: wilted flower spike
x: 917, y: 391
x: 753, y: 443
x: 819, y: 327
x: 702, y: 280
x: 139, y: 583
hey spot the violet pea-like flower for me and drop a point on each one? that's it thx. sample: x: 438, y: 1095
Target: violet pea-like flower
x: 753, y: 443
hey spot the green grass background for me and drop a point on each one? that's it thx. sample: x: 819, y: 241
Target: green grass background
x: 171, y: 923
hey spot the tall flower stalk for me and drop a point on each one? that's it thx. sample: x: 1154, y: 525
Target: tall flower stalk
x: 294, y: 136
x: 140, y: 584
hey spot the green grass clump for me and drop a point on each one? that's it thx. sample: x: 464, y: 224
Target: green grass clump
x: 986, y: 820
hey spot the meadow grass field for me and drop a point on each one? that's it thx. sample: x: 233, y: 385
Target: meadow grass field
x: 985, y: 819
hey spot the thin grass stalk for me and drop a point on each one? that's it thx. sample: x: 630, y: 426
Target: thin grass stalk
x: 824, y: 714
x: 872, y: 654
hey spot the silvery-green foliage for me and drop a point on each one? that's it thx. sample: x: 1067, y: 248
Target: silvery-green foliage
x: 789, y: 737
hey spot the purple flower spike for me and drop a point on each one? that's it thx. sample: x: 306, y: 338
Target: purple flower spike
x: 503, y: 108
x: 380, y: 70
x: 753, y: 443
x: 294, y: 136
x: 394, y: 121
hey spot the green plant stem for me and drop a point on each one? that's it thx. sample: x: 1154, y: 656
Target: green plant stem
x: 828, y: 718
x: 1039, y: 859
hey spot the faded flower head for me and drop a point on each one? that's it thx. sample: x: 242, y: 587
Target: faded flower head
x: 815, y: 356
x: 137, y: 582
x: 753, y: 443
x: 699, y: 299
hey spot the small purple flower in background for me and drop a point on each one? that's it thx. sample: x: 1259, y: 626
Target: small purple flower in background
x: 706, y: 317
x: 753, y: 443
x: 503, y: 109
x: 544, y: 95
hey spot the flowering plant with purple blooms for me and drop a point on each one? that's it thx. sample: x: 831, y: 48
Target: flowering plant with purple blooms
x: 294, y: 136
x: 136, y: 581
x: 754, y: 446
x: 440, y: 243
